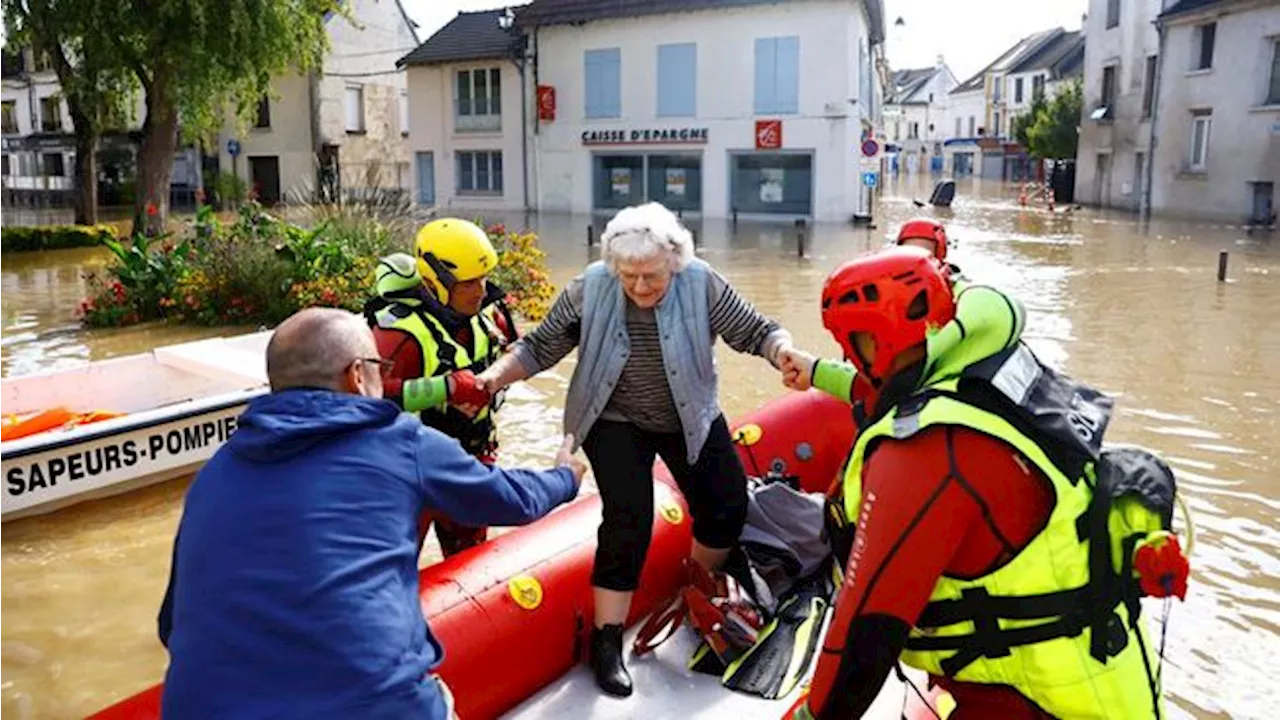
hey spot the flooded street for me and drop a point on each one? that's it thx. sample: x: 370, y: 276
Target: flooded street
x: 1194, y: 363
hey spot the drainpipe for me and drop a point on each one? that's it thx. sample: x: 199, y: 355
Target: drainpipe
x: 1144, y: 209
x: 524, y: 129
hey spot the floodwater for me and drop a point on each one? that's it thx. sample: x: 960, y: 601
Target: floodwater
x: 1195, y: 365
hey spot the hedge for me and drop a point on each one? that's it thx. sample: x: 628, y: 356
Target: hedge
x: 53, y: 237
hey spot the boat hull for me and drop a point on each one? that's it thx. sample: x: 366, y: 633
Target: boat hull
x: 513, y: 614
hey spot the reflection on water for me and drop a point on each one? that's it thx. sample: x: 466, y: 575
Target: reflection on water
x: 1139, y: 314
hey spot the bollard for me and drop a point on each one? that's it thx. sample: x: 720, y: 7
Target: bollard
x: 680, y: 213
x: 799, y: 238
x: 591, y: 235
x: 735, y: 218
x: 1222, y: 266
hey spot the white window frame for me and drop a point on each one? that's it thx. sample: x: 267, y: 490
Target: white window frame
x: 465, y: 116
x: 1198, y: 119
x: 353, y: 102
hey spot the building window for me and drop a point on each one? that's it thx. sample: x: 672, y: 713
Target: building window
x: 771, y: 183
x: 631, y: 179
x: 1201, y: 121
x: 51, y: 114
x: 971, y: 126
x: 480, y: 173
x: 1017, y: 91
x: 1037, y: 88
x: 897, y: 131
x: 404, y: 112
x: 1202, y: 46
x: 677, y: 80
x: 1113, y: 13
x: 477, y: 100
x: 1273, y: 90
x: 603, y: 75
x: 355, y: 109
x: 777, y: 89
x: 52, y: 165
x: 913, y: 131
x: 957, y: 127
x: 10, y: 116
x: 1148, y: 86
x: 1106, y: 103
x: 4, y: 169
x: 263, y: 119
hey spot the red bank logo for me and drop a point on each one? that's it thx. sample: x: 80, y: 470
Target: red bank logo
x: 768, y: 134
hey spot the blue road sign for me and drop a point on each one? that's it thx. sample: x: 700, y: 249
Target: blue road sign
x: 869, y: 179
x: 233, y: 147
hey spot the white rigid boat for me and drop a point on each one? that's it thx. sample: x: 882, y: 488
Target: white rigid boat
x: 179, y: 404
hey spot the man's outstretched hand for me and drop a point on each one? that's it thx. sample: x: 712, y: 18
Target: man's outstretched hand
x: 466, y: 393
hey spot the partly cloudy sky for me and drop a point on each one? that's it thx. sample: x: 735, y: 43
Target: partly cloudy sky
x: 969, y: 35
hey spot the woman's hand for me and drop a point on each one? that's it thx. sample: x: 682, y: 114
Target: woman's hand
x: 797, y: 368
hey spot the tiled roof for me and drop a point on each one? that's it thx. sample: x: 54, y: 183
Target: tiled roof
x: 468, y: 36
x: 1011, y: 58
x: 1186, y: 6
x: 906, y: 83
x: 1050, y: 53
x: 562, y: 12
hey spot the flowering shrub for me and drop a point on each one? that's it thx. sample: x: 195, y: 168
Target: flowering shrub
x: 258, y: 269
x: 522, y: 272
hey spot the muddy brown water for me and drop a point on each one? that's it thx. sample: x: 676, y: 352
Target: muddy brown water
x: 1137, y: 311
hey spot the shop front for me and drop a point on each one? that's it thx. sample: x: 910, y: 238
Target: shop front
x: 625, y: 171
x: 771, y: 183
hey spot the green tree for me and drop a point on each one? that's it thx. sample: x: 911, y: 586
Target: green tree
x: 1055, y: 132
x: 1021, y: 123
x: 98, y: 90
x: 196, y: 58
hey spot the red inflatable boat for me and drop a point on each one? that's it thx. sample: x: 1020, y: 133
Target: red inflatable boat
x: 512, y: 614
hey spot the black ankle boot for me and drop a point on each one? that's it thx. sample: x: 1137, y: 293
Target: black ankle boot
x: 606, y: 660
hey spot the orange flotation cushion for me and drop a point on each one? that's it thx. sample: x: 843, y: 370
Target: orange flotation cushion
x: 50, y: 419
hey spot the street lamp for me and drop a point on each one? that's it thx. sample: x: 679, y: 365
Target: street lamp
x: 506, y: 19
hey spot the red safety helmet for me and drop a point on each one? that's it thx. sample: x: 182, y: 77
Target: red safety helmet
x: 896, y: 295
x: 926, y: 229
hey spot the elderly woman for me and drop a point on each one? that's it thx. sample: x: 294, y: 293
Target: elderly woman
x: 645, y: 319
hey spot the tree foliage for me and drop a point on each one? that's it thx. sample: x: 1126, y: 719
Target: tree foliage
x: 1021, y: 123
x: 99, y: 90
x: 1054, y: 134
x: 195, y: 59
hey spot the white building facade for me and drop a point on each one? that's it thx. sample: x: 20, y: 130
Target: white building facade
x: 757, y: 110
x: 916, y: 114
x: 1119, y: 91
x: 721, y: 108
x: 342, y: 129
x: 1217, y: 119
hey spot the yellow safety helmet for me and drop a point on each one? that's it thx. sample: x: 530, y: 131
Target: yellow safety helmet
x: 449, y: 251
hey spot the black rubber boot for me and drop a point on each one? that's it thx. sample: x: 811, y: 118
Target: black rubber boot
x: 606, y: 660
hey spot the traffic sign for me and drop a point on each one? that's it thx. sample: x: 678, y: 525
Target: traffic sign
x: 870, y: 148
x: 233, y: 147
x: 870, y: 179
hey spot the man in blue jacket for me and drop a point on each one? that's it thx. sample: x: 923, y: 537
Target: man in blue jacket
x: 294, y: 588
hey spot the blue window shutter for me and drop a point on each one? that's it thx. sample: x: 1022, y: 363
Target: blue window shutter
x: 766, y: 78
x: 612, y: 83
x: 592, y: 86
x: 677, y: 80
x: 787, y: 88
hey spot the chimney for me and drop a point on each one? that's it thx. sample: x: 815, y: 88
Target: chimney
x: 940, y: 62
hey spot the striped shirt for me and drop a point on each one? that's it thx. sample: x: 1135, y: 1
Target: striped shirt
x: 642, y: 395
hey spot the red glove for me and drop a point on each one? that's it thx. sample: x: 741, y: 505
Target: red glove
x: 466, y: 391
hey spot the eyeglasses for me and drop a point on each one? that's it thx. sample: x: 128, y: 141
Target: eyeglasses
x: 384, y: 365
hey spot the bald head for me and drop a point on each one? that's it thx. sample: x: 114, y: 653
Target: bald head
x: 314, y: 347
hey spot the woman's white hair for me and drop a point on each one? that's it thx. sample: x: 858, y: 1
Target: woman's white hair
x: 643, y: 232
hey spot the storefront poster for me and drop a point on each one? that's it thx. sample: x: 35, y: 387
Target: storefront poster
x: 675, y: 181
x: 771, y: 185
x: 620, y: 179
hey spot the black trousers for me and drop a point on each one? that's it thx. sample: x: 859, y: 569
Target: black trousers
x: 622, y: 456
